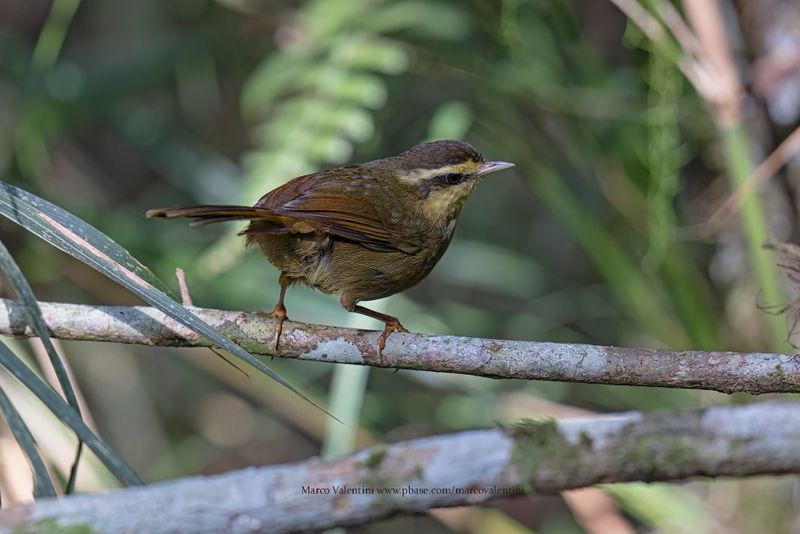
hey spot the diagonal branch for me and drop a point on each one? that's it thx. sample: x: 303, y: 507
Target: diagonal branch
x: 466, y: 468
x: 721, y: 371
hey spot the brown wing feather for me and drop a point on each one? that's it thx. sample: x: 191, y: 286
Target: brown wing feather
x: 339, y: 205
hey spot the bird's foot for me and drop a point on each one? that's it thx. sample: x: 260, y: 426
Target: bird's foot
x: 392, y: 325
x: 279, y: 313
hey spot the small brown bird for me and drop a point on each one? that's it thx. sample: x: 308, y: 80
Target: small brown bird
x: 363, y: 231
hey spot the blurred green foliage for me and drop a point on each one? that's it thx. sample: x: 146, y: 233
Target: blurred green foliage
x: 150, y: 104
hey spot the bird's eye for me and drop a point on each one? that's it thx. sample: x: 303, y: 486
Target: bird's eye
x: 452, y: 178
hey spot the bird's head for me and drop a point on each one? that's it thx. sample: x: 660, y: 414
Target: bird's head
x: 442, y: 174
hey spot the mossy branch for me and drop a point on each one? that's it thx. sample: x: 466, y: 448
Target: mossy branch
x: 721, y: 371
x: 465, y: 468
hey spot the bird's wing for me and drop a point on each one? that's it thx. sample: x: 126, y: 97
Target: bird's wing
x: 343, y: 207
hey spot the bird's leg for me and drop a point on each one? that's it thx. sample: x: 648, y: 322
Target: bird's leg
x: 392, y: 324
x: 279, y: 312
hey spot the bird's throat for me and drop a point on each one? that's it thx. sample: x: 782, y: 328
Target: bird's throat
x: 442, y: 205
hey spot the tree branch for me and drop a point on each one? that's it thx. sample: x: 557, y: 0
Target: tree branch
x: 459, y: 469
x: 721, y: 371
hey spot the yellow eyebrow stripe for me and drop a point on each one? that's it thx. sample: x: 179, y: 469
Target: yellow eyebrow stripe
x: 421, y: 175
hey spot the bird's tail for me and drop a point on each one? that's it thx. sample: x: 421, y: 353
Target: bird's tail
x: 211, y: 213
x: 262, y: 220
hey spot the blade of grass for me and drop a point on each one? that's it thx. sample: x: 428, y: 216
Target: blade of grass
x: 24, y: 208
x: 67, y: 415
x: 73, y: 470
x: 347, y: 398
x: 21, y: 287
x: 42, y: 485
x: 84, y: 242
x: 52, y: 36
x: 739, y: 166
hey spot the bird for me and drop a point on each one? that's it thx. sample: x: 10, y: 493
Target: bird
x: 362, y: 231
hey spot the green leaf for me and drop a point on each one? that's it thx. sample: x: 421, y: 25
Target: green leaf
x: 67, y: 232
x: 323, y: 19
x: 269, y: 80
x: 429, y: 19
x: 42, y: 485
x: 451, y: 120
x: 84, y: 242
x: 366, y: 52
x: 67, y: 415
x: 36, y: 322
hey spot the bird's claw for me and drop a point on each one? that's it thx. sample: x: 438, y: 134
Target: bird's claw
x: 391, y: 326
x: 279, y: 314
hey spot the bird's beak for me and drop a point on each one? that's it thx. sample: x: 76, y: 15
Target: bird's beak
x: 494, y: 166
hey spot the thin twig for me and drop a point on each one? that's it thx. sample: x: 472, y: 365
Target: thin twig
x: 642, y: 18
x: 788, y: 149
x: 688, y: 62
x: 186, y: 298
x: 678, y: 27
x: 721, y: 88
